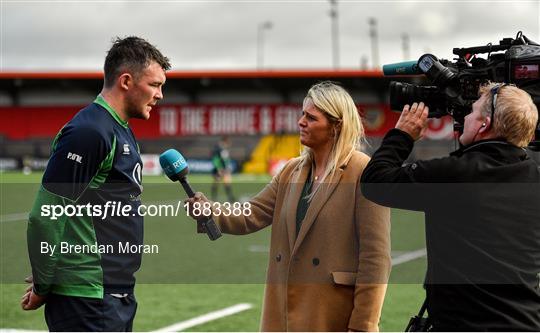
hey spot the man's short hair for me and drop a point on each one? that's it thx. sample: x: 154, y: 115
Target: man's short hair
x: 515, y: 116
x: 131, y: 54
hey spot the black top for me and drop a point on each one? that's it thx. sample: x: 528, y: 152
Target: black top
x: 482, y: 215
x: 303, y: 203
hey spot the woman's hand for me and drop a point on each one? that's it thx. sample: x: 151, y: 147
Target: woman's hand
x: 201, y: 199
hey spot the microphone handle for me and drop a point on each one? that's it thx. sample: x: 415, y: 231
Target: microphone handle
x: 208, y: 224
x: 187, y: 187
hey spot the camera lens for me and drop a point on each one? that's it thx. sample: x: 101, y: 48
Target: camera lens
x: 402, y: 93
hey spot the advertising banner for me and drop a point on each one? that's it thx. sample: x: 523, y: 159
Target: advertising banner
x: 209, y: 119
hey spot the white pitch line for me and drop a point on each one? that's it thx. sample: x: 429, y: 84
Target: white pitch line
x: 259, y: 248
x: 14, y: 217
x: 183, y: 325
x: 406, y: 257
x: 18, y: 330
x: 409, y: 256
x: 24, y: 216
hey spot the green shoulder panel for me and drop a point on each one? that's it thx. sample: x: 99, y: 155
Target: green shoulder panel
x: 56, y: 267
x: 43, y: 233
x: 55, y: 141
x: 104, y: 168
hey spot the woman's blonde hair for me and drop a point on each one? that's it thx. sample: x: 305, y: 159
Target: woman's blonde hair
x: 339, y: 108
x: 515, y: 115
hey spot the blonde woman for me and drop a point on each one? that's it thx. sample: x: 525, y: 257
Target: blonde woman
x: 330, y: 247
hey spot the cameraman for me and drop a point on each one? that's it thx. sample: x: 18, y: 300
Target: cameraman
x: 482, y: 212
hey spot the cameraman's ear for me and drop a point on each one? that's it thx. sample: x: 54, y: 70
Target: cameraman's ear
x: 486, y: 125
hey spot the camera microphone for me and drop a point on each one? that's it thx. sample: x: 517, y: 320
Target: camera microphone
x: 176, y: 168
x: 402, y: 68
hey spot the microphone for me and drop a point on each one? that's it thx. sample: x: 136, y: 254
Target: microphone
x: 176, y: 168
x: 402, y: 68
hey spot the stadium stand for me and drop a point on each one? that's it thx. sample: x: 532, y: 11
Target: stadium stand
x: 254, y: 108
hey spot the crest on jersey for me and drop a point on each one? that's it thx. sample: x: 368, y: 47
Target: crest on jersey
x: 126, y: 149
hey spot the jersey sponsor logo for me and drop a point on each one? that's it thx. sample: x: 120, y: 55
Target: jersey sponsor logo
x: 74, y: 157
x: 126, y: 149
x: 134, y: 197
x: 137, y: 173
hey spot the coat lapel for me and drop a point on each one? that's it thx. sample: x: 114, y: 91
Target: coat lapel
x: 321, y: 197
x: 297, y: 180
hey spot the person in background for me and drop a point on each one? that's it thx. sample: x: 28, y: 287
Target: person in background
x: 222, y: 170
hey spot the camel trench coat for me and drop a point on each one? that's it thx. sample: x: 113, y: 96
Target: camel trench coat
x: 332, y: 276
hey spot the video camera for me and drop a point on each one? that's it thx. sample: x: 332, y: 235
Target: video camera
x: 455, y: 84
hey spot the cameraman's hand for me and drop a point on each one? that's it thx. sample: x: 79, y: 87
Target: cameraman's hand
x: 197, y: 214
x: 413, y: 120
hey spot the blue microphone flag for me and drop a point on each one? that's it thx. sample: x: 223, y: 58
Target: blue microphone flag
x: 172, y: 162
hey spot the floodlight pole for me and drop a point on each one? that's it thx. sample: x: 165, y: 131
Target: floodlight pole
x: 374, y: 42
x: 266, y: 25
x: 335, y: 33
x: 405, y: 44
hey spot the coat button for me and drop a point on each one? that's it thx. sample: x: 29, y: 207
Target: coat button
x: 278, y: 258
x: 316, y: 261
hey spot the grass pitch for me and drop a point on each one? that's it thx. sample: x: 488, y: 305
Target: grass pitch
x: 192, y: 276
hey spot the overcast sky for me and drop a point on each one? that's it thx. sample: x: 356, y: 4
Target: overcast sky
x: 75, y: 35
